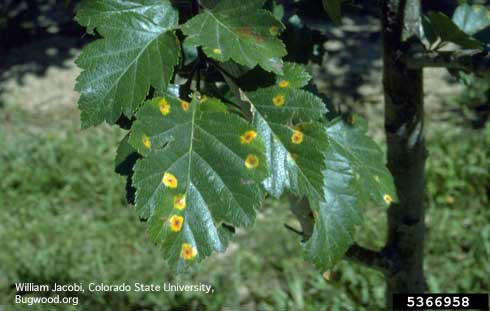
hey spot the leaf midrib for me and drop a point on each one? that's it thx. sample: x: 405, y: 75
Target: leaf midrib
x: 125, y: 71
x: 274, y: 136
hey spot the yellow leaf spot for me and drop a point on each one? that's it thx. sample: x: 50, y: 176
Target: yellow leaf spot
x: 247, y: 137
x: 146, y: 141
x: 477, y: 9
x: 179, y: 201
x: 284, y: 83
x: 185, y: 105
x: 217, y: 51
x: 487, y: 14
x: 169, y: 180
x: 203, y: 99
x: 297, y: 137
x: 273, y: 30
x: 376, y: 178
x: 188, y: 251
x: 164, y: 106
x: 388, y: 199
x: 278, y: 100
x: 176, y: 223
x: 251, y: 161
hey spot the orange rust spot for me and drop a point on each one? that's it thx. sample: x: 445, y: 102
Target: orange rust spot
x: 176, y: 223
x: 251, y: 161
x: 179, y: 201
x: 247, y: 137
x: 146, y: 141
x: 185, y: 105
x: 284, y: 84
x: 188, y: 251
x: 297, y: 137
x: 164, y: 106
x: 169, y: 180
x: 278, y: 100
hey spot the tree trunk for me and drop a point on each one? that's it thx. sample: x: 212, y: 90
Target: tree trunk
x: 404, y: 123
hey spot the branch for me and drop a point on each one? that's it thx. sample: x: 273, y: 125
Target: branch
x: 230, y: 80
x: 470, y: 60
x: 369, y: 258
x: 293, y: 229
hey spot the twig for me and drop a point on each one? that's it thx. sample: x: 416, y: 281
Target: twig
x: 470, y: 60
x: 293, y: 229
x: 230, y: 80
x: 369, y: 258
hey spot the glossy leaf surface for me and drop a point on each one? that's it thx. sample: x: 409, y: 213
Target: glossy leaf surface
x: 138, y: 49
x: 238, y: 30
x: 199, y: 174
x: 355, y: 174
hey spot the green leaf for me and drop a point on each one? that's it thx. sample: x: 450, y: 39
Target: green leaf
x: 471, y: 18
x: 139, y: 49
x: 200, y: 155
x: 334, y: 10
x: 294, y: 76
x: 126, y: 157
x: 439, y: 25
x: 238, y: 30
x: 337, y: 216
x: 294, y: 143
x: 372, y: 178
x: 355, y: 174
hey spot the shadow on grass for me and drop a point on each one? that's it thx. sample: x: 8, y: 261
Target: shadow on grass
x: 36, y: 35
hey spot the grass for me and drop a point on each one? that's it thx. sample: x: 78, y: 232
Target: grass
x: 64, y: 219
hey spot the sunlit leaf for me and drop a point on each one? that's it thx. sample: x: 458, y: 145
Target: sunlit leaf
x: 238, y: 30
x: 471, y: 18
x: 202, y: 171
x: 355, y: 175
x: 439, y: 25
x: 139, y: 49
x: 284, y: 117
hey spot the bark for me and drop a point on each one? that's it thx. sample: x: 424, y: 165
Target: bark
x: 404, y: 124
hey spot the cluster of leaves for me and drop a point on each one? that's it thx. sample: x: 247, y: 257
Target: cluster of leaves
x: 207, y: 145
x: 469, y: 28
